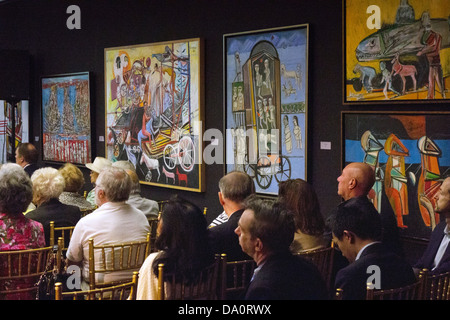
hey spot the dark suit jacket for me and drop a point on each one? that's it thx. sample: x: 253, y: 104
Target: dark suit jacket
x: 222, y: 238
x: 32, y: 167
x: 287, y: 277
x: 395, y: 272
x: 63, y: 215
x: 427, y: 259
x: 390, y: 232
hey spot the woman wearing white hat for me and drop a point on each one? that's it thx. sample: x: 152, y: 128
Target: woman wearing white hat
x: 96, y: 167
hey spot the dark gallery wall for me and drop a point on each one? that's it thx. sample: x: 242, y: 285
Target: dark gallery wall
x: 39, y: 27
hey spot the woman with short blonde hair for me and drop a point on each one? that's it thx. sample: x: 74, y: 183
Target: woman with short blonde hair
x: 48, y: 184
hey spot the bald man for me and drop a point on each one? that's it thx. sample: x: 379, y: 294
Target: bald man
x: 354, y: 185
x: 356, y: 180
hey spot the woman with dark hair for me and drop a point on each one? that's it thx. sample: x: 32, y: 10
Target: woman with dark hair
x: 300, y: 197
x: 182, y: 241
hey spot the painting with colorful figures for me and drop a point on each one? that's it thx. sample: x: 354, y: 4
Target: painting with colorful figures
x: 66, y: 118
x: 266, y: 103
x: 410, y: 153
x: 396, y: 51
x: 154, y: 111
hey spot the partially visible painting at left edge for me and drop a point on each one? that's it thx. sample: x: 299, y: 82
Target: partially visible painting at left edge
x: 66, y: 118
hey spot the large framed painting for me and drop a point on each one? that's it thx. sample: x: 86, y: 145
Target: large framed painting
x: 66, y: 118
x: 396, y: 51
x: 154, y: 111
x: 410, y: 153
x: 266, y: 103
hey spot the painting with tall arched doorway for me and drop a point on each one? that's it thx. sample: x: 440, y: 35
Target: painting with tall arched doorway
x: 266, y: 103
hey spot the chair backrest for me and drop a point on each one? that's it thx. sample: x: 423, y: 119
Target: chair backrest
x: 436, y: 286
x: 60, y: 232
x: 176, y: 288
x: 153, y: 222
x: 104, y: 259
x: 20, y: 270
x: 85, y: 212
x: 234, y: 277
x: 338, y: 294
x: 323, y: 259
x: 410, y: 292
x: 124, y: 291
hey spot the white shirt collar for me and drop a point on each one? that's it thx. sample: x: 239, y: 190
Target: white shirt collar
x: 363, y: 248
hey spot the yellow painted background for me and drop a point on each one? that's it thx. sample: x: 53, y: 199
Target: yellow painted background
x: 356, y: 28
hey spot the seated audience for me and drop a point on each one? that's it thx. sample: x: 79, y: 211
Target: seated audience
x: 182, y: 239
x: 17, y: 232
x: 299, y: 197
x: 149, y: 207
x: 265, y: 232
x: 48, y: 184
x: 357, y: 233
x: 234, y: 188
x: 436, y: 257
x: 355, y: 183
x: 114, y: 222
x: 96, y: 167
x: 27, y: 157
x: 74, y: 181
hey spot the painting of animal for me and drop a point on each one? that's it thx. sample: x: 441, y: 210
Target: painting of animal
x: 169, y: 175
x: 152, y: 164
x: 181, y: 177
x: 292, y: 74
x: 404, y: 71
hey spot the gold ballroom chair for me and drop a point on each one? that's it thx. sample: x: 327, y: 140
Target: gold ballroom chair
x: 203, y: 289
x: 22, y: 269
x: 234, y: 277
x: 436, y: 286
x: 116, y: 257
x: 411, y: 292
x: 124, y: 291
x: 60, y: 232
x: 323, y: 259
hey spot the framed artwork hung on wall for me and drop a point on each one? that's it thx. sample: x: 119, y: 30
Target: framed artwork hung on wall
x: 21, y: 128
x: 154, y: 111
x: 66, y: 118
x: 266, y: 104
x: 396, y: 51
x: 410, y: 153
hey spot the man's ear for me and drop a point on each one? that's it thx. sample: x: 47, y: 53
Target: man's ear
x: 352, y: 183
x: 349, y: 236
x: 258, y: 245
x: 221, y: 201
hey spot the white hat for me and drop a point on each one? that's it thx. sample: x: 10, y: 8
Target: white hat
x: 99, y: 164
x: 124, y: 164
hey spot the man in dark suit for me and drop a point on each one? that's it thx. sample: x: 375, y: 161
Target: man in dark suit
x: 27, y: 157
x: 436, y: 257
x: 265, y: 231
x: 357, y: 233
x: 234, y: 188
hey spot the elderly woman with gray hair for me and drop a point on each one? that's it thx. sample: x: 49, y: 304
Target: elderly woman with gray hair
x: 48, y: 184
x: 17, y: 232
